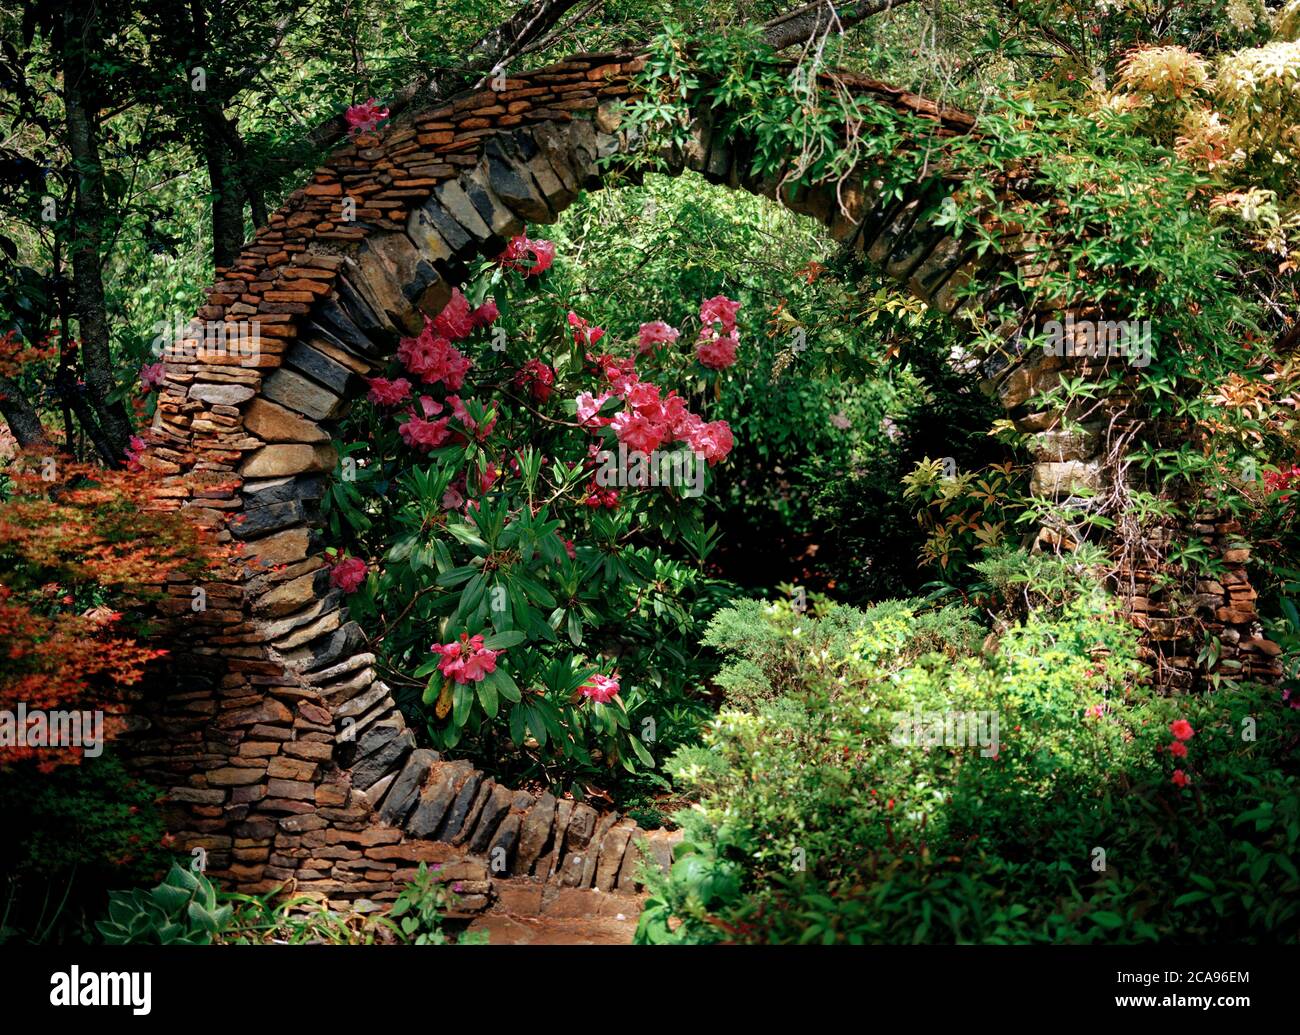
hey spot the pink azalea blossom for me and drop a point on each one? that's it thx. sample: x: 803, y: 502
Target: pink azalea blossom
x: 520, y: 249
x: 654, y: 334
x: 485, y: 314
x: 456, y: 321
x: 600, y: 688
x: 384, y: 392
x: 717, y: 351
x: 152, y: 376
x: 1180, y: 778
x: 363, y: 118
x: 719, y: 309
x: 453, y: 498
x: 1182, y: 729
x: 134, y: 449
x: 432, y: 358
x: 348, y: 574
x: 535, y: 378
x: 588, y: 408
x: 584, y: 334
x: 714, y: 440
x: 637, y: 432
x: 466, y: 660
x: 420, y: 431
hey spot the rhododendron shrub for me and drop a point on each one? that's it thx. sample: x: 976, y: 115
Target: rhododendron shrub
x: 532, y: 606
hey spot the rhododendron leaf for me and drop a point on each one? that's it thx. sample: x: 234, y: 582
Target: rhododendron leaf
x: 502, y: 640
x: 640, y: 751
x: 455, y: 576
x: 430, y: 693
x: 537, y: 724
x: 427, y: 667
x: 518, y: 724
x: 1106, y: 919
x: 400, y: 550
x: 472, y: 595
x: 467, y: 535
x: 506, y: 686
x: 487, y: 697
x: 462, y: 701
x: 575, y: 629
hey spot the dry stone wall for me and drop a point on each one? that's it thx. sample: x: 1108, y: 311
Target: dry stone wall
x: 286, y: 757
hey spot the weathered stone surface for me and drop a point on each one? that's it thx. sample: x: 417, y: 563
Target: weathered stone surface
x: 612, y: 847
x: 278, y: 460
x: 293, y: 595
x: 279, y: 548
x: 368, y: 771
x: 435, y: 801
x: 406, y: 789
x: 535, y: 830
x: 496, y: 806
x: 274, y: 423
x: 220, y: 395
x: 460, y: 808
x: 1065, y: 479
x: 302, y: 395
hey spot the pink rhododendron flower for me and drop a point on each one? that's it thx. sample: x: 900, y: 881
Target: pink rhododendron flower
x: 1180, y: 778
x: 1182, y: 729
x: 152, y: 376
x: 485, y: 314
x: 487, y: 477
x: 133, y: 450
x: 421, y: 432
x: 362, y: 118
x: 569, y: 548
x: 584, y: 333
x: 432, y: 358
x: 654, y: 334
x: 466, y: 660
x: 518, y: 251
x: 719, y: 309
x: 454, y: 498
x: 717, y: 352
x: 600, y: 688
x: 714, y: 440
x: 348, y: 574
x: 535, y: 378
x: 384, y: 392
x: 588, y: 408
x: 638, y: 433
x: 456, y: 321
x: 607, y: 498
x: 1178, y: 749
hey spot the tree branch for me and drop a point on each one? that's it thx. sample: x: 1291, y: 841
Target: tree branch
x: 819, y: 17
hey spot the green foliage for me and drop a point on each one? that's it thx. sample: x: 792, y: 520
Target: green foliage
x: 823, y: 817
x: 182, y: 910
x: 418, y: 911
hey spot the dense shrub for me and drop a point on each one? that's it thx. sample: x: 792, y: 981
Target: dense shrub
x: 822, y: 817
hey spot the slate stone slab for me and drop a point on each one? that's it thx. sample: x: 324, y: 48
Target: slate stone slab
x: 371, y: 769
x: 496, y: 806
x: 460, y: 807
x: 406, y: 789
x: 435, y: 801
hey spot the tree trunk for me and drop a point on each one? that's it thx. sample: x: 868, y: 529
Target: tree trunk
x: 88, y: 227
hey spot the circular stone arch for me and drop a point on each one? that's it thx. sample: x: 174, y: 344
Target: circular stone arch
x: 284, y: 755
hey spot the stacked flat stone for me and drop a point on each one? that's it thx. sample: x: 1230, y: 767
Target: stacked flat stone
x: 287, y: 758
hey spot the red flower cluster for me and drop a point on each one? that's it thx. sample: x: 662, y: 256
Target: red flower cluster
x: 466, y: 660
x: 348, y: 574
x: 384, y: 392
x: 1275, y: 481
x: 600, y: 688
x: 716, y: 346
x: 520, y: 249
x: 1183, y: 732
x: 362, y: 118
x: 651, y: 419
x: 535, y: 378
